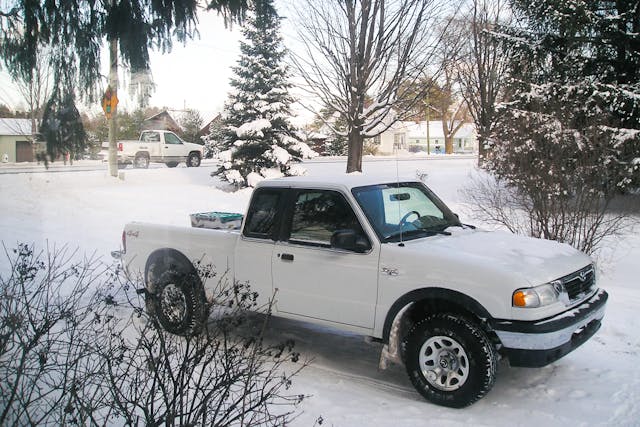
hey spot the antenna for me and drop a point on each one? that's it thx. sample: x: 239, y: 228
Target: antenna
x: 401, y: 244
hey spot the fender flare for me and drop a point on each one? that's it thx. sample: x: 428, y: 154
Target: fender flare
x: 422, y: 294
x: 166, y: 255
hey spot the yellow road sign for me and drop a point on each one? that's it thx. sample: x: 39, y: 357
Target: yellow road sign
x: 109, y: 102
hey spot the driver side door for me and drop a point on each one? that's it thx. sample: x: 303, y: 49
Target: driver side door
x: 314, y: 279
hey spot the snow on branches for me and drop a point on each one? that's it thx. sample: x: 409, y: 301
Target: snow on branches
x: 256, y: 140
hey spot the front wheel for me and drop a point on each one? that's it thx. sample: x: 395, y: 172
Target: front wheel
x: 450, y: 360
x: 177, y: 300
x: 193, y: 161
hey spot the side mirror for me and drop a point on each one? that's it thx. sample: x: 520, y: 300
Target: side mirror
x: 350, y: 240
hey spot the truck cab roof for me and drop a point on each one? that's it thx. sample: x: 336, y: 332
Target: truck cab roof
x: 342, y: 181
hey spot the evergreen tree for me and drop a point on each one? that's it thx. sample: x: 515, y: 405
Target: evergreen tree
x: 576, y: 73
x: 191, y: 123
x: 62, y: 126
x: 75, y: 30
x: 256, y: 134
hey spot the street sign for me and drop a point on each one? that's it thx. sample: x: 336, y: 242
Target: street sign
x: 109, y: 102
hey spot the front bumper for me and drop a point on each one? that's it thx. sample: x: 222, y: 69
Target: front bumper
x: 538, y: 343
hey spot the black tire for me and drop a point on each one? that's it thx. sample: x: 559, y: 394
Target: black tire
x: 463, y: 358
x: 193, y: 161
x: 141, y: 161
x: 176, y: 299
x: 171, y: 164
x: 121, y: 165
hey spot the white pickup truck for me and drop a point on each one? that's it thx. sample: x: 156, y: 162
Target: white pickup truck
x: 160, y: 146
x: 387, y: 260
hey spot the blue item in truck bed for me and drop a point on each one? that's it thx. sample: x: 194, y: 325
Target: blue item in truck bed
x: 217, y: 220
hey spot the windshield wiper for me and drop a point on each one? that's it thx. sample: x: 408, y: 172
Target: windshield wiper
x: 411, y: 233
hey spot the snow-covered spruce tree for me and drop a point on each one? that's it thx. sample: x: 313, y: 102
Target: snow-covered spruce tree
x: 256, y: 140
x: 568, y: 139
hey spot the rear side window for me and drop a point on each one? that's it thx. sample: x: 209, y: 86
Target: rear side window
x: 318, y: 214
x: 261, y: 219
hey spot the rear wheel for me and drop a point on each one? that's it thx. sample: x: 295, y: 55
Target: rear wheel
x: 141, y: 161
x: 176, y: 299
x: 450, y: 360
x: 193, y: 161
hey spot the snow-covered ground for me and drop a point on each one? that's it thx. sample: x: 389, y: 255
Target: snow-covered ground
x: 598, y: 384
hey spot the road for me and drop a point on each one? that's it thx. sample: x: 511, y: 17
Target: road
x: 97, y: 165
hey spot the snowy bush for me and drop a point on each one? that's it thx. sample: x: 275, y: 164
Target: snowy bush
x: 564, y: 145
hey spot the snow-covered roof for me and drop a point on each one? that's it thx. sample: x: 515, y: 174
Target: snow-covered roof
x: 15, y: 127
x: 419, y: 130
x: 343, y: 181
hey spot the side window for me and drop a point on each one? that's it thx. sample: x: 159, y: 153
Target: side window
x: 170, y: 138
x: 318, y: 214
x: 261, y: 218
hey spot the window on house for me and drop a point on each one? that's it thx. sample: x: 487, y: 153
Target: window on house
x: 399, y: 140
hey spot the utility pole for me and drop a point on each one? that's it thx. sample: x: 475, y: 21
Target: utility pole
x: 113, y: 84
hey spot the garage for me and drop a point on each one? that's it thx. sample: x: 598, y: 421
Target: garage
x: 24, y: 151
x: 15, y: 140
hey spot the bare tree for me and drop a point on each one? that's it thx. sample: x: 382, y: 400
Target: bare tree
x: 449, y: 104
x: 357, y: 50
x: 35, y: 89
x: 483, y: 68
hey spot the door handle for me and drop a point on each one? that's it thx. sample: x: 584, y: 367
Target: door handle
x: 286, y: 257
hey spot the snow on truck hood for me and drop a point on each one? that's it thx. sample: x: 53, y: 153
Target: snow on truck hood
x: 533, y: 261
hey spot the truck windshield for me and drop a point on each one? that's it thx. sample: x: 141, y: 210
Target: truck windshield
x: 404, y: 211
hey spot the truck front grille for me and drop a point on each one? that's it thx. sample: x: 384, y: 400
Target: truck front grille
x: 579, y: 284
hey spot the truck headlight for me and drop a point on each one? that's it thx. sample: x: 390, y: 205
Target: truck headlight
x: 540, y: 296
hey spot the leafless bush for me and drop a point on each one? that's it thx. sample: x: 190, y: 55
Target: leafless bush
x: 77, y: 347
x: 226, y: 376
x: 582, y: 219
x: 44, y: 313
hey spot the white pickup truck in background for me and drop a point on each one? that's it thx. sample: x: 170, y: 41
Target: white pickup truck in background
x: 387, y: 260
x: 159, y: 146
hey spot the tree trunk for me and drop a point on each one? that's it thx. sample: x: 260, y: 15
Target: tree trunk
x: 113, y: 82
x: 448, y: 138
x: 354, y: 159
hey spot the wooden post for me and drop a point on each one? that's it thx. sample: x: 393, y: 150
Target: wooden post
x: 113, y: 82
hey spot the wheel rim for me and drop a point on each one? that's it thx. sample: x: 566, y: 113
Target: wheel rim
x: 193, y: 160
x: 444, y: 363
x: 173, y: 303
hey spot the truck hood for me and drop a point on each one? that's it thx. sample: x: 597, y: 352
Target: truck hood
x: 529, y: 261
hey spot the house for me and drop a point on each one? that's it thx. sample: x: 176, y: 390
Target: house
x: 412, y: 137
x: 161, y: 121
x: 206, y: 129
x: 16, y: 141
